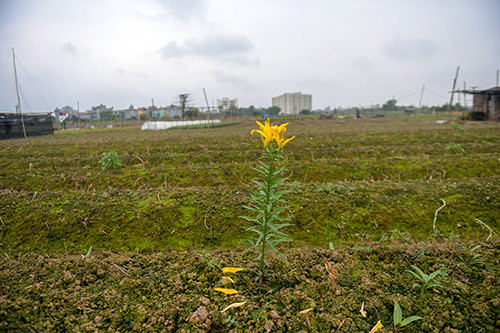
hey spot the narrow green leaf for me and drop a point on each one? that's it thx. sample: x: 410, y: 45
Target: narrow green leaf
x: 433, y: 275
x: 410, y: 320
x: 415, y: 275
x: 398, y: 314
x: 423, y: 275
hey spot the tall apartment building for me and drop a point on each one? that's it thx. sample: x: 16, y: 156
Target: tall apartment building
x: 293, y: 103
x: 225, y: 104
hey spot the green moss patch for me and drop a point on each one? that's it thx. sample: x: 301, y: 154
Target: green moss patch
x: 174, y: 291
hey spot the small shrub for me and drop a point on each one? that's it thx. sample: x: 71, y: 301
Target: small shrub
x: 110, y: 160
x: 398, y: 318
x: 455, y: 148
x: 425, y: 281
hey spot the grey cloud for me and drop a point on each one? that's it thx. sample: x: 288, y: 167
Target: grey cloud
x: 362, y: 63
x: 224, y: 77
x: 219, y: 45
x: 123, y: 72
x: 233, y: 49
x: 410, y: 49
x: 185, y: 9
x: 68, y: 47
x: 172, y: 50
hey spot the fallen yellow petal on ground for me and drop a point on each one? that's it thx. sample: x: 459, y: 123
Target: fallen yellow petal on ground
x: 231, y: 269
x: 227, y: 291
x: 377, y: 327
x: 228, y: 278
x: 234, y: 305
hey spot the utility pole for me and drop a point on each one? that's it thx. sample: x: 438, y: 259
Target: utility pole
x: 465, y: 100
x: 452, y: 93
x: 421, y: 95
x: 152, y: 109
x: 497, y: 78
x: 78, y: 111
x: 18, y: 106
x: 208, y: 106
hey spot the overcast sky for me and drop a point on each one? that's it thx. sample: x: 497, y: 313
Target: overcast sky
x: 344, y: 53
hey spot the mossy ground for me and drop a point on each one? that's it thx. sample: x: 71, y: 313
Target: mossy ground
x: 370, y: 187
x: 154, y: 292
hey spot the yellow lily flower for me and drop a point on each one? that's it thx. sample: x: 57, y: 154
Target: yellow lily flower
x: 279, y: 136
x: 269, y: 132
x: 231, y: 269
x: 266, y: 131
x: 227, y: 291
x: 377, y: 327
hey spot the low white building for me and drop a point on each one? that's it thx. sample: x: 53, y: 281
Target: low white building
x: 293, y: 103
x: 225, y: 104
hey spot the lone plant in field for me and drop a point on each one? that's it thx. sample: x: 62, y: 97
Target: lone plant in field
x: 425, y: 281
x: 267, y: 203
x: 110, y: 160
x: 455, y: 148
x: 398, y: 318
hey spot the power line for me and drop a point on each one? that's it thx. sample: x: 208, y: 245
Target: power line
x: 435, y: 94
x: 413, y: 93
x: 34, y: 85
x: 24, y: 99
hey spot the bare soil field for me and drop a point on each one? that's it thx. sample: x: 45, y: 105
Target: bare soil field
x: 366, y: 203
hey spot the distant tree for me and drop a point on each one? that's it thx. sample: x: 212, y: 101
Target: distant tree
x: 183, y: 102
x: 459, y: 107
x: 305, y: 112
x: 390, y: 105
x: 257, y: 112
x: 232, y: 110
x: 273, y: 110
x: 441, y: 108
x: 107, y: 115
x: 240, y: 112
x: 144, y: 117
x: 192, y: 113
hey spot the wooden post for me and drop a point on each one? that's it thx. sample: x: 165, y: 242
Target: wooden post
x: 452, y: 93
x: 420, y: 100
x: 465, y: 95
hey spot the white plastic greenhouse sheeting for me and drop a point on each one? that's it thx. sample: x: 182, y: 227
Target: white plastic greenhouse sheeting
x: 160, y: 125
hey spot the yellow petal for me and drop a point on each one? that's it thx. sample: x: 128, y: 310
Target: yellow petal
x: 228, y: 278
x: 377, y: 327
x: 306, y: 311
x: 258, y: 131
x: 231, y: 269
x: 267, y: 140
x: 227, y: 291
x: 282, y: 128
x: 286, y: 141
x: 260, y: 125
x: 234, y: 305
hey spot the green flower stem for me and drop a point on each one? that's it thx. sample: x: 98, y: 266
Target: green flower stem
x: 266, y: 206
x: 268, y: 178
